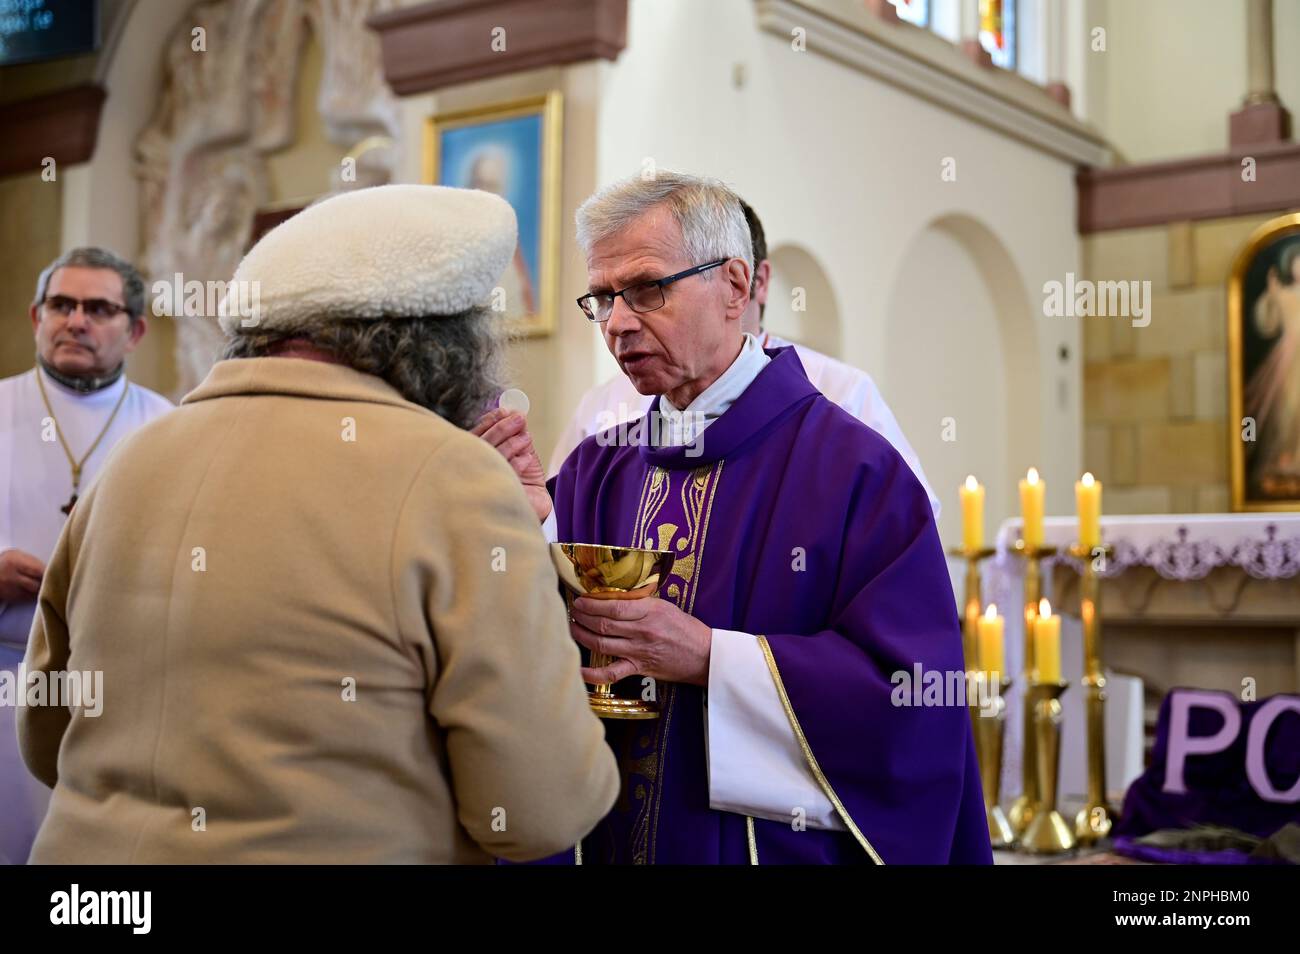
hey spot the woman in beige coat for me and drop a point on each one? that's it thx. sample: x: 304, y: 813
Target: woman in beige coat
x: 328, y: 627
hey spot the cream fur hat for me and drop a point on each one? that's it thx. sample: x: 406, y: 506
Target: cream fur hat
x: 384, y: 252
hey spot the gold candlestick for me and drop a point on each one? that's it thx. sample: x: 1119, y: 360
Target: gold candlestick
x: 1047, y: 833
x: 611, y: 573
x: 1023, y: 808
x: 973, y: 601
x: 1095, y: 819
x: 989, y: 727
x: 973, y: 608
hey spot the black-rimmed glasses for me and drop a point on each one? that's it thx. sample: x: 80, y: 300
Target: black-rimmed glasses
x: 97, y: 309
x: 641, y: 297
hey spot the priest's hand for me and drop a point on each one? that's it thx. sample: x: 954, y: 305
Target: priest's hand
x: 507, y: 431
x: 20, y: 576
x: 648, y: 637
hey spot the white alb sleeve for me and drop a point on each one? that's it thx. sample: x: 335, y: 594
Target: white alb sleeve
x: 755, y: 764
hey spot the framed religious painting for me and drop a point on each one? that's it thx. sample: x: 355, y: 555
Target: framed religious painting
x: 1264, y: 368
x: 512, y: 149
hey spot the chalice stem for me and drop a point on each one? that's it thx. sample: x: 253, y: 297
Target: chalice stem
x: 600, y: 661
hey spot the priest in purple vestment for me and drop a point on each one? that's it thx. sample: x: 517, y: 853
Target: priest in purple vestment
x: 808, y: 573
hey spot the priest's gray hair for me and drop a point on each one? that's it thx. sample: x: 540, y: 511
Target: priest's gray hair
x: 709, y: 214
x: 450, y: 364
x: 90, y: 256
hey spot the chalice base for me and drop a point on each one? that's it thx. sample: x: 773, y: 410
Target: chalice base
x: 612, y: 707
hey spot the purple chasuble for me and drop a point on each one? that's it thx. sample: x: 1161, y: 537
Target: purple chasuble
x: 791, y: 520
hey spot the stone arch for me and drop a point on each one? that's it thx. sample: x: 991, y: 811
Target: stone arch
x: 798, y: 279
x: 960, y: 344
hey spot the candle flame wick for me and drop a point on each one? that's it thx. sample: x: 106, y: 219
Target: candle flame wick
x: 1032, y: 476
x: 1088, y: 480
x: 991, y: 612
x: 971, y: 482
x: 1044, y: 607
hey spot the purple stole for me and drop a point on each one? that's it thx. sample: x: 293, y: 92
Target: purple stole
x: 801, y: 525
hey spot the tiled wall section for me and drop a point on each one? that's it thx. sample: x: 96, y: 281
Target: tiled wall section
x: 1155, y: 398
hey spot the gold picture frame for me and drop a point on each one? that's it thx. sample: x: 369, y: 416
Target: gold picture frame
x: 1264, y: 387
x: 512, y: 148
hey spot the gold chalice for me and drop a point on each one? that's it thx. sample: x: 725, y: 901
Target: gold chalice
x: 612, y: 573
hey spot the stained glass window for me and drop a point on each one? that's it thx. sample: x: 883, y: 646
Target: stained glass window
x: 913, y: 11
x: 998, y: 31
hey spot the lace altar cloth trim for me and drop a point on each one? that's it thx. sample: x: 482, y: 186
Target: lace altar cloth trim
x: 1181, y: 548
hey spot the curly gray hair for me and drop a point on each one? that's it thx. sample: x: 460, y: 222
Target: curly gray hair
x: 450, y: 364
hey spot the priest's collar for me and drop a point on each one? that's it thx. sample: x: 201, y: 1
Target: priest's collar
x: 82, y: 385
x: 779, y: 385
x: 711, y: 403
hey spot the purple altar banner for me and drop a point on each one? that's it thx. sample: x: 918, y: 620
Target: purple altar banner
x: 1218, y: 761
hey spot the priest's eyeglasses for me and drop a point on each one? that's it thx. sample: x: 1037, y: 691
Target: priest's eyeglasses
x: 641, y: 297
x: 96, y: 309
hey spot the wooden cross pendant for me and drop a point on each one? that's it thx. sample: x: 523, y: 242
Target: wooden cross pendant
x: 67, y: 507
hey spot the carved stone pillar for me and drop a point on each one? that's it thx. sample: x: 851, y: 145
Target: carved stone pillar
x: 227, y: 103
x: 357, y: 107
x: 1261, y: 119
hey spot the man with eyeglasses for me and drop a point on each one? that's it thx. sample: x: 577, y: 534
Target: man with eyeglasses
x: 58, y: 424
x: 617, y: 400
x: 807, y: 575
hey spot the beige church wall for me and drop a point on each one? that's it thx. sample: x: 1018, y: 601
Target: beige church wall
x: 1155, y: 397
x: 794, y: 268
x: 975, y: 342
x: 984, y: 381
x: 1286, y: 54
x: 29, y: 239
x: 1174, y: 70
x: 1170, y: 98
x: 848, y: 168
x: 1087, y: 89
x: 554, y: 370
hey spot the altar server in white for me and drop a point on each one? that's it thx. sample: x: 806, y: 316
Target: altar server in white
x: 58, y: 423
x: 616, y: 401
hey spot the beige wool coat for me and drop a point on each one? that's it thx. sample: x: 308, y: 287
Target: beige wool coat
x: 329, y: 631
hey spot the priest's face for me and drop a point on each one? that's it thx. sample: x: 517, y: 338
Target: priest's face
x: 78, y: 344
x: 682, y: 347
